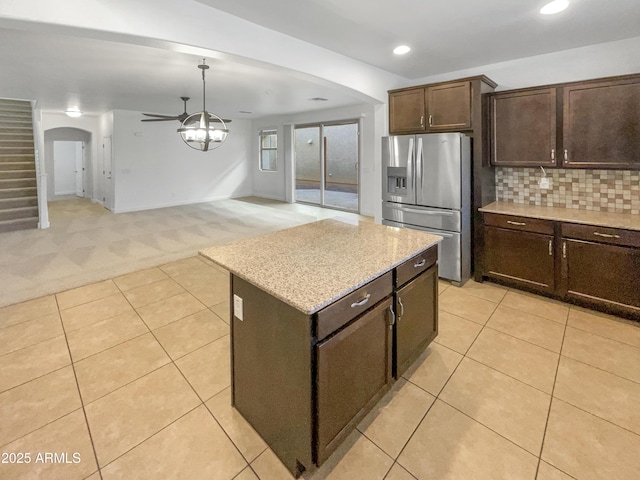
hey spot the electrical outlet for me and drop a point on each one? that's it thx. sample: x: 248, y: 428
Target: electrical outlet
x: 545, y: 183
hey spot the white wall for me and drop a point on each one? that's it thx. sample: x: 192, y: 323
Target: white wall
x: 373, y: 126
x: 153, y: 167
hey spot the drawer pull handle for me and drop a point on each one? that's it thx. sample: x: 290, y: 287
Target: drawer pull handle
x: 516, y: 223
x: 605, y: 235
x: 566, y: 154
x: 422, y: 120
x: 553, y: 154
x: 430, y: 120
x: 420, y: 264
x: 361, y: 302
x: 401, y: 308
x: 393, y: 317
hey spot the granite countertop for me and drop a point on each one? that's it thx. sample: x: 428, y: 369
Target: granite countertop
x: 313, y: 265
x: 572, y: 215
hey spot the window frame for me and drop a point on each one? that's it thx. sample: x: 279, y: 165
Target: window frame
x: 265, y: 132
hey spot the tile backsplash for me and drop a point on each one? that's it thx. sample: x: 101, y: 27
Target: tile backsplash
x: 598, y: 190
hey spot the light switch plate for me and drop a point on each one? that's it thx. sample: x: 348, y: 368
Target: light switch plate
x: 237, y: 307
x: 545, y: 183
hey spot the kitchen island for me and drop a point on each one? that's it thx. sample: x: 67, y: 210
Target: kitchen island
x: 324, y: 317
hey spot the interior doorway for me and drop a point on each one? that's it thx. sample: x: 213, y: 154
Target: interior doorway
x: 326, y: 159
x: 68, y: 168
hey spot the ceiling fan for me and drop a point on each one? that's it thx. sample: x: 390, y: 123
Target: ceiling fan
x: 181, y: 118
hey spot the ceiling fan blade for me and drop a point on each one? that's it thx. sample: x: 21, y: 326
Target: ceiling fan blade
x: 213, y: 119
x: 170, y: 119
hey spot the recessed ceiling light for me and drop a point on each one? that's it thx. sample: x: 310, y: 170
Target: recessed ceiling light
x: 554, y: 7
x: 401, y: 50
x: 73, y: 112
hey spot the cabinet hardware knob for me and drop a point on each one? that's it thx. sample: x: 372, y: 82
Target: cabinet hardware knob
x: 420, y: 264
x: 430, y: 120
x: 550, y: 247
x: 361, y: 302
x: 566, y: 154
x: 422, y: 120
x: 515, y: 223
x: 401, y: 308
x: 553, y: 154
x: 393, y: 317
x: 564, y: 249
x: 606, y: 235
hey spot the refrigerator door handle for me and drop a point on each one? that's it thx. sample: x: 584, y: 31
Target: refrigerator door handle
x: 419, y: 167
x: 427, y: 212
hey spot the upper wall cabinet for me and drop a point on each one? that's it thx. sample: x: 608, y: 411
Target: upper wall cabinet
x: 592, y: 124
x: 439, y: 107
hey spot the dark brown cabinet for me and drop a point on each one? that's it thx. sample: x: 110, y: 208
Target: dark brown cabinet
x: 590, y: 124
x: 523, y: 130
x: 407, y: 111
x: 521, y: 251
x: 602, y: 124
x: 352, y: 367
x: 448, y: 107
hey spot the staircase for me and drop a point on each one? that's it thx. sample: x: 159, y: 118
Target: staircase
x: 18, y: 191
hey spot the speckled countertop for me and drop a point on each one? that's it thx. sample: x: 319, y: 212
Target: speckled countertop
x: 313, y: 265
x: 587, y: 217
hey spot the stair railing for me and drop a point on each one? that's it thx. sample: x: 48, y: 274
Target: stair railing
x: 41, y: 170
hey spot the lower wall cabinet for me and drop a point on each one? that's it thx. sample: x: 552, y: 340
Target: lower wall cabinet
x: 593, y: 266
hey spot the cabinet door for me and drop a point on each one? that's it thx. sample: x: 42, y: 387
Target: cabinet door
x: 353, y: 366
x: 417, y: 318
x: 605, y: 274
x: 406, y: 111
x: 602, y: 124
x: 523, y: 129
x: 522, y: 257
x: 449, y: 106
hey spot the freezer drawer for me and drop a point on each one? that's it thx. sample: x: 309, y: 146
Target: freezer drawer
x: 452, y: 265
x: 438, y: 218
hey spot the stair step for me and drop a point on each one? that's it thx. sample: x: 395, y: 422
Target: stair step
x: 15, y: 174
x: 15, y: 113
x: 15, y: 144
x: 21, y: 224
x: 23, y: 136
x: 17, y: 183
x: 11, y: 166
x: 14, y: 101
x: 17, y: 157
x: 7, y: 193
x: 17, y: 150
x: 6, y: 203
x: 18, y: 213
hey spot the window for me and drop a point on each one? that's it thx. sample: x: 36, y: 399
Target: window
x: 268, y: 150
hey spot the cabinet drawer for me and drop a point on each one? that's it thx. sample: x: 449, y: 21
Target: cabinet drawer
x: 415, y: 266
x: 592, y: 233
x: 349, y: 307
x: 512, y: 222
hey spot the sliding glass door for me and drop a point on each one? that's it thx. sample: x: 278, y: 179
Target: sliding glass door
x: 326, y: 165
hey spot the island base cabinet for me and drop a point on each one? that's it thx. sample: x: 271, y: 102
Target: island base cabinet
x: 598, y: 274
x: 416, y: 318
x: 353, y: 369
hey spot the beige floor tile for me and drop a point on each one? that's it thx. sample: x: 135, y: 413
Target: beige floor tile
x: 103, y: 373
x: 541, y: 306
x: 184, y: 265
x: 398, y: 473
x: 31, y: 362
x: 208, y: 285
x: 67, y: 437
x: 130, y: 415
x: 528, y: 327
x: 587, y: 447
x: 605, y: 326
x: 105, y: 334
x: 269, y: 467
x: 241, y: 433
x: 456, y: 332
x: 443, y: 285
x: 223, y: 310
x: 208, y: 369
x: 30, y: 406
x: 456, y: 301
x: 30, y: 333
x: 190, y: 333
x: 153, y: 292
x: 487, y: 290
x: 450, y: 445
x: 394, y: 418
x: 93, y: 312
x: 547, y: 472
x: 533, y: 365
x: 600, y: 393
x: 86, y: 294
x: 246, y: 474
x: 95, y: 476
x: 29, y: 310
x: 139, y: 278
x: 505, y: 405
x: 614, y: 357
x: 433, y: 368
x: 163, y: 312
x: 193, y: 447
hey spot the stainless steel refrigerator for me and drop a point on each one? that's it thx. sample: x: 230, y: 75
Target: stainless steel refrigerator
x: 426, y: 185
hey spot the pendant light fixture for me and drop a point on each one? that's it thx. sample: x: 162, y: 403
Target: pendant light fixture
x: 203, y: 131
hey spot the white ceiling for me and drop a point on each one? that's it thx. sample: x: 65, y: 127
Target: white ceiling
x: 445, y: 36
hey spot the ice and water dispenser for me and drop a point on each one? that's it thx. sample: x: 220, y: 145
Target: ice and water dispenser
x: 396, y: 180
